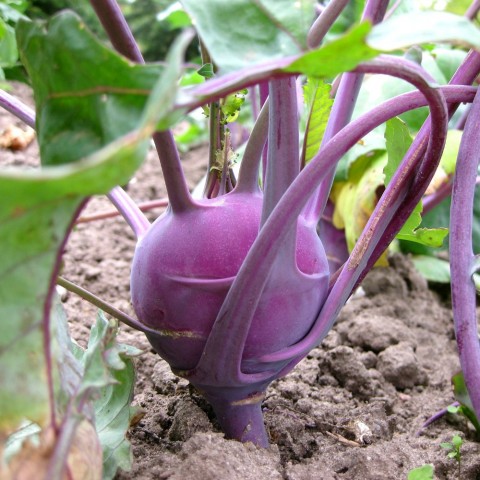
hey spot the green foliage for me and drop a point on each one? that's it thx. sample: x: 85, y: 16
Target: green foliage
x: 418, y: 28
x: 318, y: 104
x: 108, y: 369
x: 398, y: 141
x: 77, y: 93
x: 35, y: 215
x: 425, y: 472
x: 341, y: 55
x: 453, y: 448
x: 463, y: 398
x: 262, y: 30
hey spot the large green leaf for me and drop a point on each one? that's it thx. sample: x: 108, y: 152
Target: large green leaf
x: 35, y: 215
x: 8, y: 45
x: 239, y: 33
x: 416, y: 28
x: 80, y: 83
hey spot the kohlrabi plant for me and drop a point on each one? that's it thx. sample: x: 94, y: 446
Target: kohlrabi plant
x: 235, y: 288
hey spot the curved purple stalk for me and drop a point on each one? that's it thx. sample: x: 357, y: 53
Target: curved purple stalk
x: 131, y: 213
x: 431, y: 201
x: 465, y: 75
x: 353, y: 270
x: 17, y: 108
x: 117, y: 29
x: 350, y: 274
x: 324, y: 21
x: 462, y: 259
x: 342, y: 110
x: 283, y: 163
x: 248, y: 174
x: 234, y: 319
x: 436, y: 416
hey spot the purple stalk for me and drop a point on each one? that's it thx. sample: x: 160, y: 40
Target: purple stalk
x: 352, y: 271
x: 264, y: 91
x: 462, y: 259
x: 324, y: 21
x: 17, y: 108
x: 431, y: 201
x: 250, y: 166
x: 234, y: 319
x: 349, y: 275
x: 105, y: 306
x: 283, y: 163
x: 342, y: 110
x: 465, y: 75
x: 117, y: 29
x: 131, y: 213
x: 473, y: 10
x: 436, y: 416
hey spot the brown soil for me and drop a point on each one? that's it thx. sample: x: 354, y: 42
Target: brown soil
x: 350, y: 410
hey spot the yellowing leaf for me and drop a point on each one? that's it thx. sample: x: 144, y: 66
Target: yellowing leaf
x: 84, y: 461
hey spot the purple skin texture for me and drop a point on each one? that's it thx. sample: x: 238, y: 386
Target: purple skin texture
x: 463, y: 261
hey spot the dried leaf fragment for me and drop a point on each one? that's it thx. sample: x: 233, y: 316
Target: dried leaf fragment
x: 16, y: 138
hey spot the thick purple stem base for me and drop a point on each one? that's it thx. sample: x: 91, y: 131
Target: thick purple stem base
x: 240, y: 416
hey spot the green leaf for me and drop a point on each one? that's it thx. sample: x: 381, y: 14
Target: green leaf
x: 457, y: 441
x: 341, y: 55
x: 35, y: 214
x: 319, y: 104
x: 431, y: 237
x: 109, y: 375
x: 206, y: 71
x: 425, y: 472
x: 113, y: 414
x: 462, y: 396
x: 262, y: 29
x: 356, y: 198
x: 423, y: 27
x: 8, y: 45
x: 398, y: 141
x: 432, y: 268
x: 98, y: 104
x: 450, y: 153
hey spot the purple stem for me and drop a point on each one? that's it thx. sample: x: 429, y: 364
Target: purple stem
x: 17, y: 108
x: 264, y: 91
x: 431, y: 201
x: 131, y: 213
x: 342, y: 110
x: 233, y: 321
x: 462, y: 259
x: 105, y: 306
x: 283, y: 163
x: 248, y: 174
x: 435, y: 417
x: 460, y: 125
x: 350, y: 273
x: 112, y: 19
x: 239, y: 413
x: 324, y: 21
x: 473, y: 10
x: 465, y: 75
